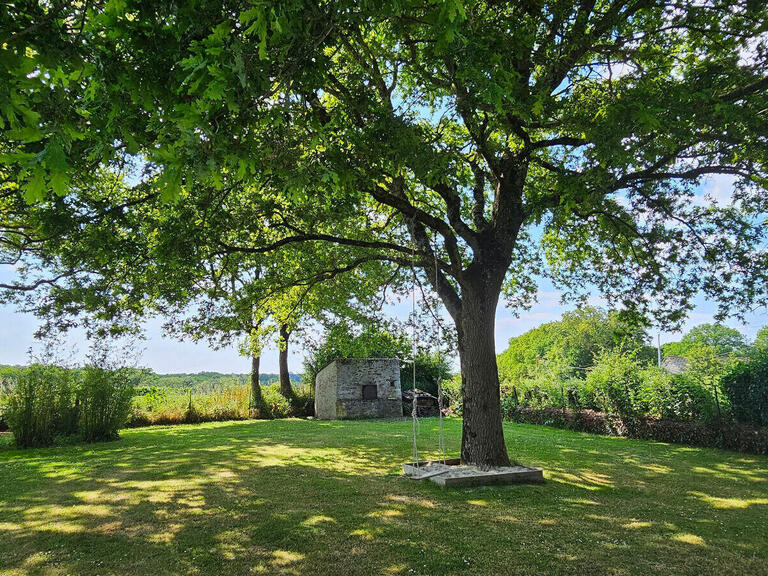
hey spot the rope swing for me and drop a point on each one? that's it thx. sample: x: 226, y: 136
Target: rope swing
x: 414, y: 341
x: 439, y: 334
x: 414, y: 406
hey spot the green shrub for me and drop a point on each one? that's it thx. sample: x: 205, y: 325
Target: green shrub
x: 430, y: 367
x: 5, y: 393
x: 278, y: 405
x: 510, y: 400
x: 676, y: 397
x: 104, y: 402
x: 708, y: 369
x: 621, y: 383
x: 746, y: 385
x: 540, y: 388
x: 304, y: 401
x: 613, y: 385
x: 452, y: 398
x: 40, y: 406
x: 656, y: 392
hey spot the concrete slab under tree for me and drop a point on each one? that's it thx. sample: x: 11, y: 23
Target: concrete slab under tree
x: 453, y: 474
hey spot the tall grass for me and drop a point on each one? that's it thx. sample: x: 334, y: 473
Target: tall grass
x: 39, y: 406
x: 103, y: 401
x: 160, y: 405
x: 45, y: 402
x: 5, y: 395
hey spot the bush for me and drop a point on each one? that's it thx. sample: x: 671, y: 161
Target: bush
x: 621, y: 383
x: 40, y: 406
x: 48, y: 402
x: 279, y: 406
x: 104, y: 402
x: 304, y: 401
x: 546, y: 386
x: 676, y: 397
x: 736, y: 437
x: 5, y: 393
x: 430, y: 367
x: 708, y: 369
x: 452, y: 399
x: 613, y: 385
x: 746, y: 386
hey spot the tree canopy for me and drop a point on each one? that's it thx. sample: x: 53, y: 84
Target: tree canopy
x: 761, y: 340
x: 571, y: 344
x: 485, y: 144
x: 721, y: 339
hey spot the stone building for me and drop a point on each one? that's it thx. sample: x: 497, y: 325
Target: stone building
x: 675, y: 364
x: 359, y: 388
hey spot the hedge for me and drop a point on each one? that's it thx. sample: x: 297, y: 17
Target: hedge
x: 728, y: 436
x: 747, y: 388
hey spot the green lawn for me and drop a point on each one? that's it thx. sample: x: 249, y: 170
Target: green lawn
x: 309, y: 497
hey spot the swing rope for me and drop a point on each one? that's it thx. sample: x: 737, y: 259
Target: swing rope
x: 414, y: 405
x: 441, y: 436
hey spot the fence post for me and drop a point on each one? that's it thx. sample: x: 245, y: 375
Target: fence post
x: 562, y: 398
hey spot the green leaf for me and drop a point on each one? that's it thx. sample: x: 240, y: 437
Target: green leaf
x: 59, y: 183
x: 55, y: 158
x: 170, y: 190
x: 35, y: 190
x: 249, y: 15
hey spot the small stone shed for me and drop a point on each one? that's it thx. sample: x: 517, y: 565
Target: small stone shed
x: 359, y: 388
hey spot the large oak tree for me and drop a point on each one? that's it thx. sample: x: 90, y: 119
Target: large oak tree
x: 488, y: 144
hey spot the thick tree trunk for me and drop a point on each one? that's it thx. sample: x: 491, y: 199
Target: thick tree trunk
x: 258, y: 406
x: 482, y: 441
x: 285, y: 378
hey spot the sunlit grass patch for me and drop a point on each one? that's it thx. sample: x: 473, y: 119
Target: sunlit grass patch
x: 305, y: 498
x: 636, y: 524
x: 730, y: 503
x: 689, y: 539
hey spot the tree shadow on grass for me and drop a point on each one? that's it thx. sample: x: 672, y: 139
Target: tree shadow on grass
x: 297, y: 497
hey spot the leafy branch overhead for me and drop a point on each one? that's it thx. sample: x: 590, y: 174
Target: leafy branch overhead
x: 487, y: 145
x: 462, y: 124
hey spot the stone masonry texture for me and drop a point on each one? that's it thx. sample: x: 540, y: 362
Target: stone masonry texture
x: 339, y: 389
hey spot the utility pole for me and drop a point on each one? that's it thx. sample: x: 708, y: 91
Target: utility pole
x: 658, y: 346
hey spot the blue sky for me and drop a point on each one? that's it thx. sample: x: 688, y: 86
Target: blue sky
x: 166, y: 355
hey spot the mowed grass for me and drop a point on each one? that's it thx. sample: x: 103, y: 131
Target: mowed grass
x: 309, y: 497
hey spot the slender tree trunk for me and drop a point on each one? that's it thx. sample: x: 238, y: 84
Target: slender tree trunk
x: 285, y: 378
x: 482, y: 440
x: 258, y: 405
